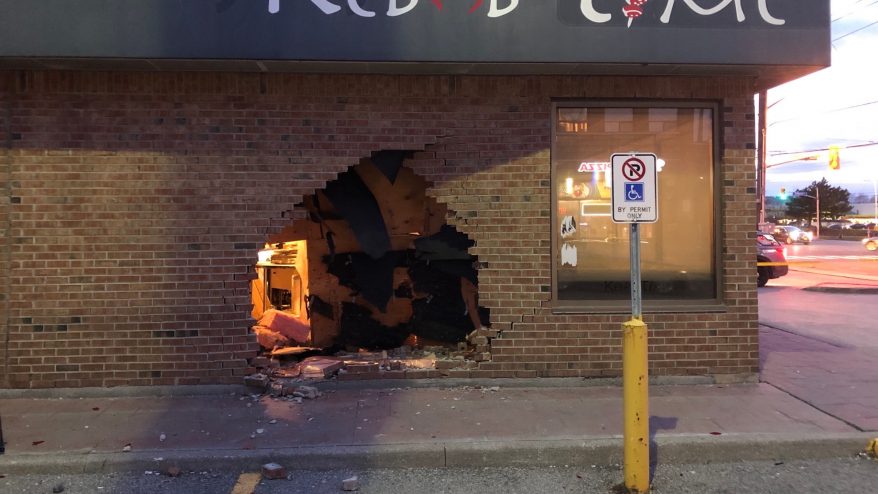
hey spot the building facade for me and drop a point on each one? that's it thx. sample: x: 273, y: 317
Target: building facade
x: 143, y: 175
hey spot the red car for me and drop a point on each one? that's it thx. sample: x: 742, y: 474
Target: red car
x: 771, y: 262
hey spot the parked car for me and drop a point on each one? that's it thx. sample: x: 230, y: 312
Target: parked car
x: 770, y: 259
x: 838, y: 225
x: 792, y: 234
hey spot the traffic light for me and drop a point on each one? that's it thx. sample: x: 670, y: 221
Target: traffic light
x: 834, y: 163
x: 783, y: 194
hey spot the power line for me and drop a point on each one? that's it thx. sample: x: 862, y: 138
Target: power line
x: 833, y: 110
x: 854, y: 10
x: 855, y: 31
x: 862, y: 145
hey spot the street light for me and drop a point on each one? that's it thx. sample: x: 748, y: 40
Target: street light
x: 810, y: 157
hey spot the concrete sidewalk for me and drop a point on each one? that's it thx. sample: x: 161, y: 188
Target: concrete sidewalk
x: 437, y: 424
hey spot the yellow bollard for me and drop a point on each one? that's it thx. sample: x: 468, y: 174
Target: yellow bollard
x: 635, y: 380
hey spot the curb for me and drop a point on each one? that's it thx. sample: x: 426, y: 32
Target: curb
x: 841, y: 289
x: 680, y: 449
x: 124, y: 391
x: 327, y: 384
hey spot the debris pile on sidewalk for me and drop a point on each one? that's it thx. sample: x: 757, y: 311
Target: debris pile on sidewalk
x: 285, y: 368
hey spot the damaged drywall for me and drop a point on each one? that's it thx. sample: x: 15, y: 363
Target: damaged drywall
x: 383, y: 267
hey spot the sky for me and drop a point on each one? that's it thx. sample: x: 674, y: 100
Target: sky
x: 835, y: 106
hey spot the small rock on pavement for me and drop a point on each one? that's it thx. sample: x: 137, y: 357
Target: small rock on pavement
x: 259, y: 381
x: 273, y: 471
x: 308, y: 392
x: 351, y: 484
x: 127, y: 448
x: 58, y: 488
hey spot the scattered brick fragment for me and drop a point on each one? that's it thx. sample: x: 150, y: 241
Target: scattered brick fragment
x: 351, y: 484
x: 273, y: 471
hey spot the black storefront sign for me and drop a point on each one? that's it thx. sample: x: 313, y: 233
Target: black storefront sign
x: 707, y: 32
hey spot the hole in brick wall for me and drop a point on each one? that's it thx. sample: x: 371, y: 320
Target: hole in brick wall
x: 373, y: 280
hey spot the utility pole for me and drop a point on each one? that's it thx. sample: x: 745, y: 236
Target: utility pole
x: 760, y: 158
x: 875, y: 201
x: 816, y: 197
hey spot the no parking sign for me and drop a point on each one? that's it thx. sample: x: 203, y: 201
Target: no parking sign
x: 635, y: 194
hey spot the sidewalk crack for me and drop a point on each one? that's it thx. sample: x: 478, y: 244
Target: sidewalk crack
x: 815, y: 407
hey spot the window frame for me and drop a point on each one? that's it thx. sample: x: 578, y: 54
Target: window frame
x: 715, y: 304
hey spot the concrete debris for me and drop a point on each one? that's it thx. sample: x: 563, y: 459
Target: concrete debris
x: 260, y: 362
x: 126, y: 448
x: 361, y: 367
x: 320, y: 367
x: 279, y: 388
x: 292, y: 371
x: 259, y: 381
x: 278, y: 377
x: 307, y: 392
x: 273, y: 471
x: 351, y: 484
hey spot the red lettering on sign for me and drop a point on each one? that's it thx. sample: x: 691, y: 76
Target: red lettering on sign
x: 593, y: 166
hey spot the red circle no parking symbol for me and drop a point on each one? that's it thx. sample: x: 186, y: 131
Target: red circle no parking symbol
x: 633, y: 169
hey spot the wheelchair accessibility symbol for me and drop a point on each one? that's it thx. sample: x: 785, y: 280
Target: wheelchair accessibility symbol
x: 634, y: 191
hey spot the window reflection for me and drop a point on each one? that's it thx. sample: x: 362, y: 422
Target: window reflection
x: 677, y: 253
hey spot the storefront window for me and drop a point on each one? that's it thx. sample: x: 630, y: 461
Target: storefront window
x: 591, y: 253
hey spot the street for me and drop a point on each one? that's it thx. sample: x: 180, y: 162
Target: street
x: 839, y: 257
x: 848, y: 475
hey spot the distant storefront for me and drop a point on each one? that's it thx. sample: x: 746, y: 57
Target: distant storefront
x: 189, y: 185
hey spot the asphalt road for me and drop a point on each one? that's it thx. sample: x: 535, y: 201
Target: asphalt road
x: 840, y: 257
x: 849, y: 475
x: 829, y: 247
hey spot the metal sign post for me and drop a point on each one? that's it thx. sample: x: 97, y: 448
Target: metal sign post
x: 635, y: 201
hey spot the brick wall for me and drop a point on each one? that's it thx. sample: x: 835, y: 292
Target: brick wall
x: 137, y: 202
x: 5, y: 222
